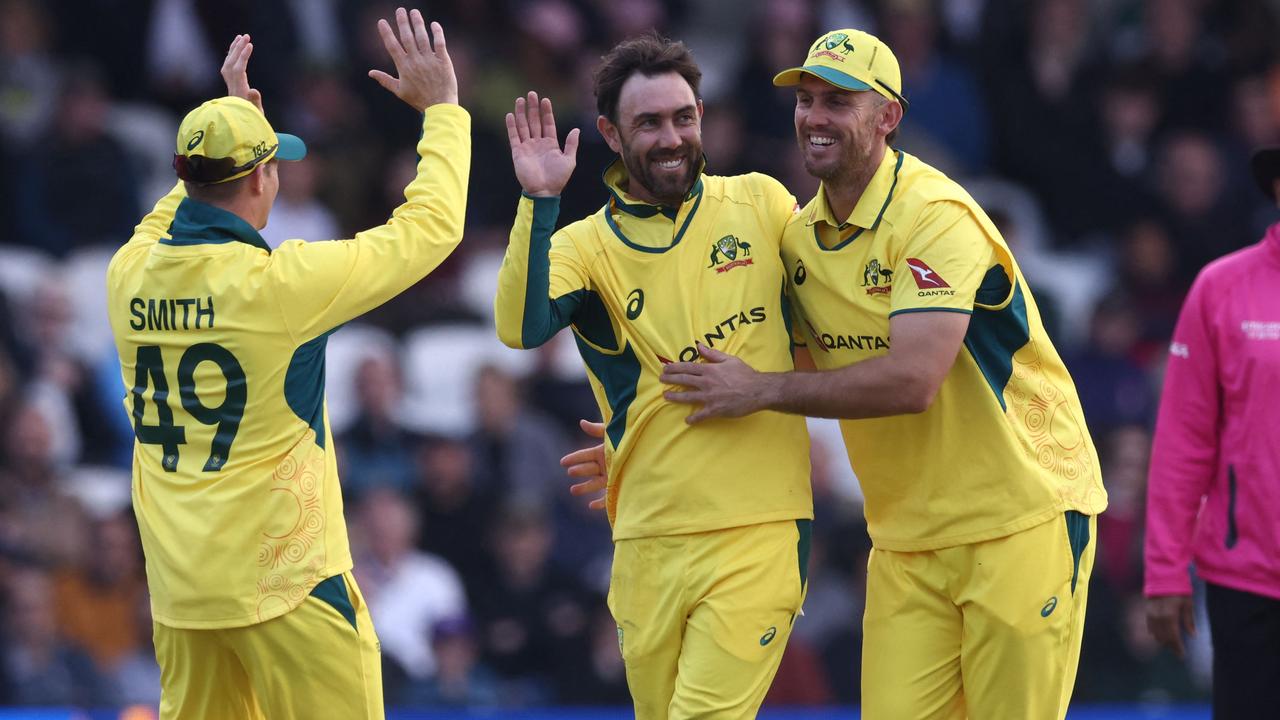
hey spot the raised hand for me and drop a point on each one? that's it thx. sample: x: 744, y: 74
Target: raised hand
x: 422, y: 62
x: 235, y: 71
x: 542, y: 167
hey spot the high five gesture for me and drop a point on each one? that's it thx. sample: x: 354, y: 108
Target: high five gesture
x: 542, y: 167
x: 422, y: 62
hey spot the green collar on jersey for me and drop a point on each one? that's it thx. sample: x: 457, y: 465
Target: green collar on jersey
x: 197, y: 223
x: 615, y: 174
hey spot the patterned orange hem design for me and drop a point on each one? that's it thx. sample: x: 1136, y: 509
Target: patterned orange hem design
x: 292, y: 555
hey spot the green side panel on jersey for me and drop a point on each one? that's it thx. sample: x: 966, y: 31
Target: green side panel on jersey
x: 333, y: 592
x: 619, y: 374
x: 803, y: 546
x: 1078, y: 535
x: 995, y: 335
x: 304, y: 384
x: 593, y: 322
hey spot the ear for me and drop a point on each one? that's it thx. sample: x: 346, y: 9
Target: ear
x: 258, y: 179
x: 609, y: 131
x: 891, y: 117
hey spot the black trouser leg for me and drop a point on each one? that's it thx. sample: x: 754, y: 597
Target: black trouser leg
x: 1246, y: 654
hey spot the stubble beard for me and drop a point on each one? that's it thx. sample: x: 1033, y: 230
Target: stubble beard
x: 853, y: 162
x: 667, y: 190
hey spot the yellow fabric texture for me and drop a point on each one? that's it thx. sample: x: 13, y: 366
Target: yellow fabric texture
x: 227, y: 338
x: 703, y: 618
x: 310, y: 663
x: 1013, y: 593
x: 641, y: 286
x: 1004, y: 445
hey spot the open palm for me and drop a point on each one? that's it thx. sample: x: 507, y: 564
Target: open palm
x: 542, y: 167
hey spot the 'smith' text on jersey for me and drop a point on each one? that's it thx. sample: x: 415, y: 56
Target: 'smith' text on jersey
x: 171, y: 313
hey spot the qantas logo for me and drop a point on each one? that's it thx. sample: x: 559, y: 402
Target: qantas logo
x: 925, y: 277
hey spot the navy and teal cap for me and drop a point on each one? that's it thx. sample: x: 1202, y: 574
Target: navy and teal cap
x: 853, y: 60
x: 226, y: 138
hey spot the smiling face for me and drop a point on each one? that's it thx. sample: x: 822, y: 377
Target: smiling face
x: 659, y: 136
x: 840, y: 132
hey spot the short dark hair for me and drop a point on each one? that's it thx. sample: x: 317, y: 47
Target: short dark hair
x: 218, y: 193
x: 650, y: 54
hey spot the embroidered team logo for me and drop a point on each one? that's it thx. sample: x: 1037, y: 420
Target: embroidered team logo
x: 725, y: 254
x: 826, y: 46
x: 925, y: 277
x: 877, y: 279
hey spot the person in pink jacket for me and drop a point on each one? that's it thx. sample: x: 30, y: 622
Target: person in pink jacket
x: 1214, y: 487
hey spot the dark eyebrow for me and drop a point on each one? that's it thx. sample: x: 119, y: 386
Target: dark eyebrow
x: 641, y: 117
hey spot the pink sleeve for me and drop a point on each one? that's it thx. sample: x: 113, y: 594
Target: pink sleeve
x: 1184, y: 454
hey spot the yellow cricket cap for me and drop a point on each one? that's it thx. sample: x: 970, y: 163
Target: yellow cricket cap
x: 853, y: 60
x: 227, y: 138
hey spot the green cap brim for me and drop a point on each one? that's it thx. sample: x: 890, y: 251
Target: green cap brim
x: 291, y: 147
x: 831, y: 75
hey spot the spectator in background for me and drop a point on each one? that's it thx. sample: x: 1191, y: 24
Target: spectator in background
x: 28, y: 72
x: 1204, y: 218
x: 1190, y: 63
x: 54, y: 212
x: 297, y: 212
x: 1118, y: 392
x: 601, y: 675
x: 947, y: 112
x: 780, y: 32
x: 408, y: 591
x: 518, y: 446
x: 460, y: 681
x: 37, y: 518
x: 38, y: 665
x: 455, y: 507
x: 377, y: 451
x: 1147, y: 276
x: 1120, y: 661
x: 53, y: 359
x: 1215, y: 471
x: 1047, y: 88
x: 96, y: 600
x: 1255, y: 114
x: 1129, y: 119
x: 136, y: 676
x: 534, y: 619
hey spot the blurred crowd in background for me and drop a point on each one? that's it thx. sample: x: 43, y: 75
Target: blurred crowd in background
x: 1108, y: 139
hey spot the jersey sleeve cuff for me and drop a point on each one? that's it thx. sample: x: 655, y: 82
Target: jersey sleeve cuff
x: 903, y: 311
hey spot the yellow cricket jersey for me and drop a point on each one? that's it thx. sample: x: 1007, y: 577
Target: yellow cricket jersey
x: 1004, y: 445
x: 221, y: 343
x: 641, y: 286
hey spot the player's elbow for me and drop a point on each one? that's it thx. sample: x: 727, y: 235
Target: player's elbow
x: 918, y: 395
x: 510, y: 333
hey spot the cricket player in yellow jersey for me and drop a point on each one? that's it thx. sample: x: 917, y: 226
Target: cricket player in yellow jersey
x: 222, y: 344
x: 710, y: 523
x: 961, y: 421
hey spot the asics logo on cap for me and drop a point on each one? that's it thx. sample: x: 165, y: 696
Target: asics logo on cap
x: 195, y: 140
